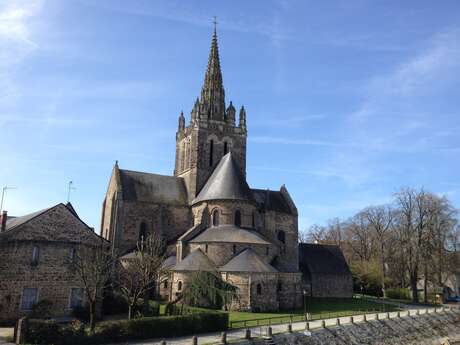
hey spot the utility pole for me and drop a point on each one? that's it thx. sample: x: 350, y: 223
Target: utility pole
x: 4, y: 189
x: 70, y: 188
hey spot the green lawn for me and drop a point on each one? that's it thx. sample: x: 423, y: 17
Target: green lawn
x: 317, y: 307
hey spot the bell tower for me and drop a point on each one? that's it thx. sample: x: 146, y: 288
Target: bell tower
x: 211, y: 132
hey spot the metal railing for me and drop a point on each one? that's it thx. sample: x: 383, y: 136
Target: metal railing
x: 276, y: 320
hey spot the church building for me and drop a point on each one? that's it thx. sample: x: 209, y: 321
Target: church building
x: 210, y: 217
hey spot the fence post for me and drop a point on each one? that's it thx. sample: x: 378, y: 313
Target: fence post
x: 338, y: 322
x: 21, y: 331
x: 163, y: 342
x: 248, y: 334
x: 223, y: 338
x: 194, y: 340
x: 417, y: 312
x: 364, y: 318
x: 323, y: 324
x: 289, y: 328
x: 307, y: 326
x: 377, y: 316
x: 352, y: 319
x: 399, y: 314
x: 388, y: 315
x: 270, y: 332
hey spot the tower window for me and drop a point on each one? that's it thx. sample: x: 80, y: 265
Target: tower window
x: 238, y: 218
x: 225, y: 147
x: 179, y: 286
x: 259, y: 289
x: 281, y: 236
x: 211, y: 152
x: 234, y: 249
x: 142, y: 231
x: 206, y: 248
x: 215, y: 217
x: 165, y: 284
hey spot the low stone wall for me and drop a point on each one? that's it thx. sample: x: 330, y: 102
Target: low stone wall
x: 440, y: 328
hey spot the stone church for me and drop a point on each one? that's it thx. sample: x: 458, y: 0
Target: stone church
x: 212, y: 220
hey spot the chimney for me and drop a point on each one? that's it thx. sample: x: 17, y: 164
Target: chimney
x: 3, y: 218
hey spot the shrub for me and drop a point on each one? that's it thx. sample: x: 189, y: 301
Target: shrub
x: 42, y: 309
x: 49, y: 332
x: 398, y: 293
x: 114, y: 303
x: 81, y: 312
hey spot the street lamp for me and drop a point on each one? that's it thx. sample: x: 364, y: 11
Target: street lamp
x: 305, y: 303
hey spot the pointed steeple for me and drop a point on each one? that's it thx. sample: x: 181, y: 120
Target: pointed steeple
x: 243, y: 117
x: 212, y: 94
x: 181, y: 121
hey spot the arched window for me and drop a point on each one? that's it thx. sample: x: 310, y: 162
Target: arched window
x: 206, y: 248
x: 215, y: 217
x: 211, y: 152
x: 179, y: 286
x: 281, y: 236
x: 35, y: 255
x: 142, y: 231
x: 238, y: 218
x: 259, y: 289
x: 234, y: 249
x: 279, y: 287
x: 225, y: 147
x: 72, y: 254
x: 165, y: 284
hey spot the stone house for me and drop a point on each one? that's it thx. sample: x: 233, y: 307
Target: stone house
x: 35, y: 255
x: 325, y: 272
x: 209, y: 216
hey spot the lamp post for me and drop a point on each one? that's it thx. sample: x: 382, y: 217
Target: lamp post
x: 4, y: 189
x: 362, y: 297
x: 305, y: 303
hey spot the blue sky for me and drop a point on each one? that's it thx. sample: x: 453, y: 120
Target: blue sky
x: 347, y: 101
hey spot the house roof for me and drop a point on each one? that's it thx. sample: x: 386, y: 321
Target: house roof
x: 24, y: 228
x: 322, y: 258
x: 271, y: 200
x: 195, y: 261
x: 146, y: 187
x: 229, y: 234
x: 225, y: 183
x: 17, y: 221
x: 247, y: 261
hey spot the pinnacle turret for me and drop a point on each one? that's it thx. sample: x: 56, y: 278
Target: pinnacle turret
x: 181, y: 121
x: 243, y: 117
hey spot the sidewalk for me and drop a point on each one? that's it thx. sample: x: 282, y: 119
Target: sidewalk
x: 6, y: 333
x: 262, y: 331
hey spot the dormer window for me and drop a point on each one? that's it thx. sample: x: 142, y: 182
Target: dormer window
x: 35, y: 255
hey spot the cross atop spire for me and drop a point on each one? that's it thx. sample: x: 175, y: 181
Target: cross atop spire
x: 212, y: 99
x: 215, y: 23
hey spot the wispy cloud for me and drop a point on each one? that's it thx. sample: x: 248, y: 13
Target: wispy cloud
x: 293, y: 141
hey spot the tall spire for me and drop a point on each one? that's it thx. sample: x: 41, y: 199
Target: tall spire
x: 213, y: 94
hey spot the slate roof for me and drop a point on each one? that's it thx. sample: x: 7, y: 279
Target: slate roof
x: 229, y: 234
x: 247, y: 261
x: 146, y: 187
x: 271, y: 200
x: 322, y: 258
x: 169, y: 262
x: 195, y: 261
x: 17, y: 221
x: 225, y: 183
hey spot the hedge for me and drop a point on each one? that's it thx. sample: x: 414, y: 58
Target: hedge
x: 49, y: 332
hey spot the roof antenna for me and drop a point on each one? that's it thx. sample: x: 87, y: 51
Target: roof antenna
x: 70, y: 188
x: 4, y: 189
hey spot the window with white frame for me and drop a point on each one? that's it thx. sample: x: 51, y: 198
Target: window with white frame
x: 29, y: 298
x: 76, y: 298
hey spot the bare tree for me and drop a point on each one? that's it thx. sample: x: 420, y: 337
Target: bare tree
x: 380, y: 219
x: 141, y: 270
x: 94, y: 266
